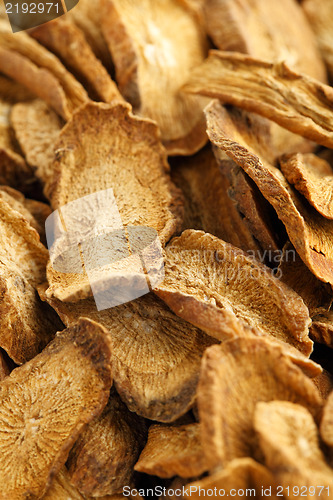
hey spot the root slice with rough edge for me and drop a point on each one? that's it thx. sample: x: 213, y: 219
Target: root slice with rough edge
x: 229, y: 283
x: 265, y: 29
x: 152, y: 63
x: 155, y: 357
x: 309, y: 232
x: 240, y: 474
x: 288, y: 437
x: 37, y: 128
x: 326, y: 425
x: 67, y: 41
x: 234, y: 377
x: 32, y: 65
x: 294, y: 101
x: 173, y: 451
x: 313, y: 178
x: 45, y: 404
x: 128, y: 159
x: 26, y: 326
x: 102, y: 460
x: 322, y: 328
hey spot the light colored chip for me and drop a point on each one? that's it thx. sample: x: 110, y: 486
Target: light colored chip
x: 288, y: 437
x: 322, y: 328
x: 101, y: 462
x: 173, y: 451
x: 155, y: 358
x: 317, y: 295
x: 240, y: 475
x: 320, y: 16
x: 234, y: 377
x: 129, y: 160
x: 37, y: 128
x: 294, y: 101
x: 209, y: 282
x: 265, y: 29
x: 45, y: 404
x: 154, y: 46
x: 324, y: 383
x: 66, y: 40
x: 313, y: 178
x: 309, y: 232
x: 326, y: 425
x: 62, y: 489
x: 26, y: 326
x: 29, y: 63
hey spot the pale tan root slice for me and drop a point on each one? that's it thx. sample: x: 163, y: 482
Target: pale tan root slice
x: 153, y: 61
x: 320, y: 16
x: 37, y: 128
x: 294, y: 101
x: 215, y: 285
x: 62, y: 489
x: 326, y: 425
x: 26, y: 325
x: 317, y: 295
x: 322, y: 328
x: 309, y: 232
x: 288, y: 437
x: 234, y: 377
x: 173, y: 451
x: 324, y: 383
x: 67, y: 41
x: 155, y: 358
x: 313, y: 178
x: 268, y: 30
x: 102, y: 460
x: 129, y: 159
x: 45, y: 405
x: 241, y: 474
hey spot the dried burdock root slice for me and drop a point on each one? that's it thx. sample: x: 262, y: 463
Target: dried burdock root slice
x: 155, y: 357
x: 317, y: 295
x: 128, y: 159
x: 288, y: 437
x: 37, y: 128
x: 32, y: 65
x: 309, y: 232
x: 208, y: 206
x: 322, y: 328
x: 230, y: 284
x: 67, y: 41
x: 102, y: 460
x: 153, y: 62
x: 45, y: 404
x: 313, y: 178
x: 26, y: 326
x: 294, y: 101
x: 326, y: 425
x: 173, y: 451
x: 320, y: 16
x: 62, y: 489
x: 234, y: 377
x: 266, y: 30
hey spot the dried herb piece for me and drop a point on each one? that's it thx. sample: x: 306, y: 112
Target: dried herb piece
x: 326, y: 425
x: 13, y: 92
x: 313, y: 178
x: 324, y: 383
x: 234, y: 377
x: 239, y: 474
x: 229, y: 284
x: 294, y: 101
x: 268, y: 30
x: 155, y: 357
x: 288, y: 437
x: 102, y: 460
x: 129, y: 159
x: 152, y: 63
x: 173, y: 451
x: 67, y: 41
x: 309, y: 232
x: 45, y: 404
x: 322, y: 328
x: 37, y: 128
x: 62, y: 489
x: 320, y: 16
x: 29, y: 63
